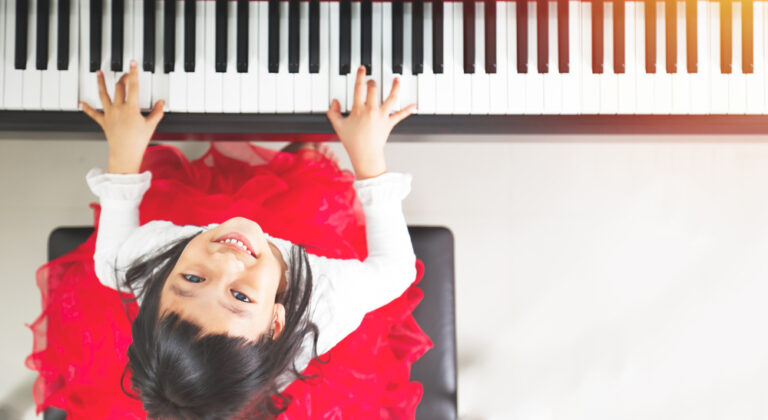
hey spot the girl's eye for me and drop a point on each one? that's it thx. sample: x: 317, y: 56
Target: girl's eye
x: 236, y: 294
x: 186, y: 276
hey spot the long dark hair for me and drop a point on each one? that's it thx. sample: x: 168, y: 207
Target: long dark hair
x: 179, y: 373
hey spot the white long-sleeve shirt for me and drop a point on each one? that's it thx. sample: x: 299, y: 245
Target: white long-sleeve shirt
x: 344, y: 290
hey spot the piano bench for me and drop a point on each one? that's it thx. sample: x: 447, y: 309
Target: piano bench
x: 435, y: 370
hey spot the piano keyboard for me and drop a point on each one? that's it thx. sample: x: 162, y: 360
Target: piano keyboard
x: 452, y: 57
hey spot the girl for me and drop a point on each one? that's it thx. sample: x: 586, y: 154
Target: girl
x: 225, y: 316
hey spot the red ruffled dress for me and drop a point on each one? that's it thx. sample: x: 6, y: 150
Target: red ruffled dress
x: 83, y: 332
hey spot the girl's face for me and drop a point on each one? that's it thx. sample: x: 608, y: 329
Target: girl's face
x: 225, y: 289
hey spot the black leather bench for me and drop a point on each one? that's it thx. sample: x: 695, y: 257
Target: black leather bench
x: 436, y: 369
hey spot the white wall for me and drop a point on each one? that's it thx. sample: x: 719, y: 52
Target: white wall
x: 597, y: 277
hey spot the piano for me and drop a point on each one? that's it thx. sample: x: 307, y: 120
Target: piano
x: 231, y: 68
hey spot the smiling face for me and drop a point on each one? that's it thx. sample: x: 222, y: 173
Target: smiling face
x: 225, y: 289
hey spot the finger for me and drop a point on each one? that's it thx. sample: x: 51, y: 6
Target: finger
x: 103, y: 95
x: 373, y: 94
x: 120, y: 89
x: 157, y: 113
x: 334, y: 114
x: 133, y: 84
x: 359, y: 98
x: 390, y: 101
x: 94, y: 114
x: 402, y: 114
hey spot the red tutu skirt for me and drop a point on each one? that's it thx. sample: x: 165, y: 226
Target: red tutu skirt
x: 82, y: 335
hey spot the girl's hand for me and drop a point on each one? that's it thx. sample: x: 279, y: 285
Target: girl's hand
x: 366, y: 129
x: 127, y: 131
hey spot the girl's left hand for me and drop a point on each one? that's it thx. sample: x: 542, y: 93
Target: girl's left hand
x: 128, y: 132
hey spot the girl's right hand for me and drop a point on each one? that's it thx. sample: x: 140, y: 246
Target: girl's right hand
x: 366, y: 129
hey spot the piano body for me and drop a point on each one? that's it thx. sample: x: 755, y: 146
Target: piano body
x: 240, y: 69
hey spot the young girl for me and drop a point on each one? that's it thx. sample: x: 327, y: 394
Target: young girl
x: 225, y: 316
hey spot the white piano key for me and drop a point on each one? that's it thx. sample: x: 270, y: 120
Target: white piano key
x: 609, y: 84
x: 49, y: 83
x: 267, y: 92
x: 249, y: 82
x: 86, y: 85
x: 213, y: 80
x: 354, y: 55
x: 230, y: 80
x: 643, y: 79
x: 338, y: 82
x: 462, y: 82
x: 302, y: 88
x: 480, y: 83
x: 662, y: 81
x: 426, y: 79
x: 177, y: 79
x: 552, y: 80
x: 31, y: 94
x: 718, y: 80
x: 3, y: 18
x: 444, y: 81
x: 68, y: 79
x: 160, y: 77
x: 627, y: 81
x: 321, y: 100
x: 196, y: 79
x: 128, y: 39
x: 590, y: 82
x: 737, y: 89
x: 498, y: 80
x: 13, y: 78
x: 700, y: 90
x: 515, y: 81
x: 284, y: 78
x: 376, y: 35
x: 571, y: 98
x: 534, y: 81
x: 681, y: 84
x: 755, y: 81
x: 145, y: 77
x: 409, y: 87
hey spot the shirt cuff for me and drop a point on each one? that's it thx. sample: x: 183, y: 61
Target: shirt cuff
x: 130, y: 187
x: 387, y: 187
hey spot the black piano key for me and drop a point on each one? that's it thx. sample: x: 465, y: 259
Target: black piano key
x: 274, y: 36
x: 314, y: 36
x: 563, y: 56
x: 417, y: 33
x: 118, y: 14
x: 95, y: 34
x: 542, y: 36
x: 345, y: 36
x: 725, y: 36
x: 490, y: 36
x: 650, y: 36
x: 149, y: 36
x: 293, y: 36
x: 366, y: 32
x: 242, y: 36
x: 437, y: 36
x: 169, y: 35
x: 20, y: 52
x: 619, y: 37
x: 62, y: 60
x: 747, y: 37
x: 670, y: 34
x: 221, y: 36
x: 522, y: 35
x: 597, y: 36
x: 397, y: 36
x: 43, y: 16
x: 469, y: 36
x: 189, y: 35
x: 691, y: 43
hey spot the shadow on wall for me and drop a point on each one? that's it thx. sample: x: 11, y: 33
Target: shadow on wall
x: 19, y: 404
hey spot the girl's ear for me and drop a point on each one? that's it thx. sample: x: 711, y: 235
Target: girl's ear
x: 278, y: 320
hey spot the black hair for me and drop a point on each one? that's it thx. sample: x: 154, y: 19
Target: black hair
x: 180, y: 373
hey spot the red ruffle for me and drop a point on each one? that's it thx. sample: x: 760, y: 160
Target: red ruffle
x: 82, y: 334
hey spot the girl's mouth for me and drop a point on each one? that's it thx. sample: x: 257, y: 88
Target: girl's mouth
x: 238, y: 241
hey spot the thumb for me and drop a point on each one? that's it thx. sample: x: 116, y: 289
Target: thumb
x: 334, y: 114
x: 157, y: 113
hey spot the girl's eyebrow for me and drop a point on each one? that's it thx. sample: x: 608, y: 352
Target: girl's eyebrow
x: 179, y: 292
